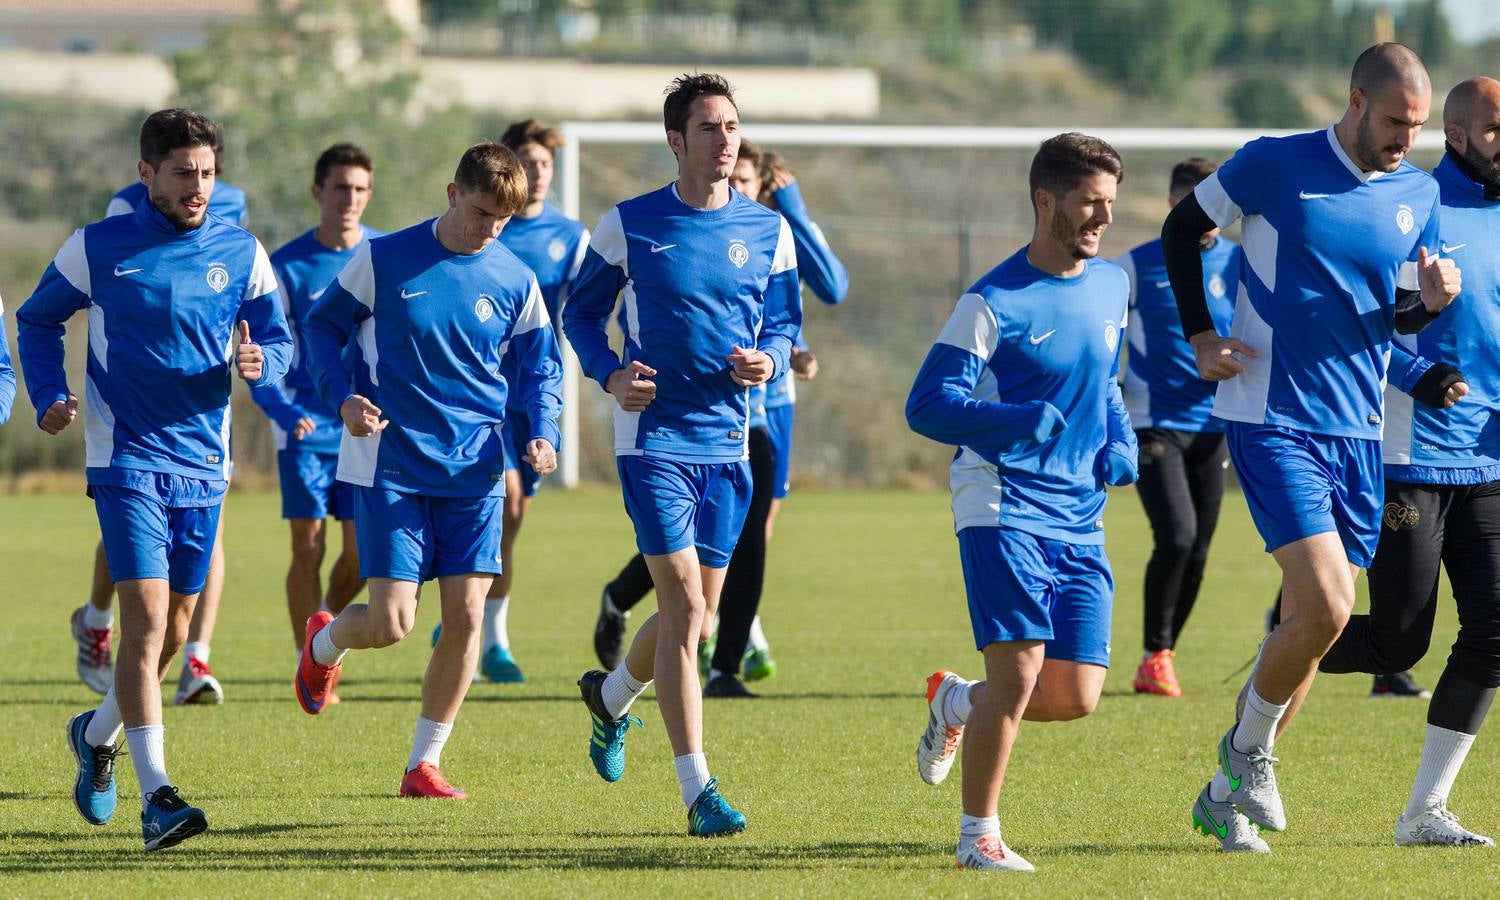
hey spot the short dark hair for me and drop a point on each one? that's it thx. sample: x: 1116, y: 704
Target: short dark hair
x: 491, y: 168
x: 1062, y: 162
x: 167, y: 130
x: 749, y: 151
x: 341, y: 155
x: 1187, y: 174
x: 530, y: 131
x: 684, y: 89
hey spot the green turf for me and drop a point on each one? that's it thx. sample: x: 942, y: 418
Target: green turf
x: 864, y: 599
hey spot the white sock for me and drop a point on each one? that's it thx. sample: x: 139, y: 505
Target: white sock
x: 492, y: 627
x: 195, y: 649
x: 1442, y: 756
x: 104, y: 727
x: 620, y: 689
x: 427, y: 746
x: 97, y: 618
x: 1257, y: 728
x: 958, y: 704
x: 325, y: 652
x: 972, y: 828
x: 149, y: 754
x: 1218, y: 788
x: 323, y: 605
x: 758, y: 635
x: 692, y: 774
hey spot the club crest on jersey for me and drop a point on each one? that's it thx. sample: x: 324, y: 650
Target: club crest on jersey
x: 1111, y: 335
x: 485, y: 308
x: 1404, y: 219
x: 218, y: 278
x: 557, y: 249
x: 739, y: 254
x: 1216, y: 286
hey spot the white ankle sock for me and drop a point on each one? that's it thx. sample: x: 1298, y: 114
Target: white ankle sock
x: 492, y: 627
x: 196, y: 649
x: 621, y: 689
x: 325, y: 652
x: 1442, y: 756
x: 758, y: 636
x: 959, y: 703
x: 972, y: 828
x: 148, y: 753
x: 1257, y: 728
x: 692, y: 774
x: 427, y: 745
x: 323, y: 605
x: 104, y: 727
x: 97, y: 618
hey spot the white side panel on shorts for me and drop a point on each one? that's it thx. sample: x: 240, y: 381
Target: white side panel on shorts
x: 627, y: 427
x: 357, y: 458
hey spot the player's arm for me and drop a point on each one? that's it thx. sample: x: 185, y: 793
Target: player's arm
x: 1435, y: 384
x: 941, y: 405
x: 63, y: 290
x: 1426, y: 284
x: 565, y: 290
x: 592, y: 299
x: 1119, y: 460
x: 7, y: 374
x: 782, y: 324
x: 817, y: 265
x: 272, y: 398
x: 264, y: 336
x: 331, y: 321
x: 540, y: 375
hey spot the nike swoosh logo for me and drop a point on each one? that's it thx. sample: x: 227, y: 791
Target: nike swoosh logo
x: 119, y: 271
x: 1163, y: 285
x: 657, y: 249
x: 1037, y: 340
x: 1304, y: 195
x: 1234, y: 780
x: 1221, y: 829
x: 1455, y: 248
x: 406, y: 296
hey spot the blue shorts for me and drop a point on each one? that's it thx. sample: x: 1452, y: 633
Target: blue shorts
x: 1027, y: 588
x: 1299, y: 484
x: 677, y: 505
x: 149, y: 533
x: 779, y: 424
x: 412, y: 537
x: 514, y: 437
x: 309, y: 489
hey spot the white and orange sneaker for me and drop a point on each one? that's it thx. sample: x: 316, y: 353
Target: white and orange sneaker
x: 426, y: 781
x: 990, y: 854
x: 1157, y: 675
x: 94, y: 667
x: 197, y: 684
x: 939, y: 744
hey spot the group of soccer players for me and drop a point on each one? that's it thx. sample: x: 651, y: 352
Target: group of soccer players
x: 431, y: 354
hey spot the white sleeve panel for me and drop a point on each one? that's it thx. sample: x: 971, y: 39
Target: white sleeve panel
x: 972, y: 327
x: 583, y: 251
x: 117, y: 207
x: 358, y: 277
x: 1215, y: 201
x: 72, y: 262
x: 533, y: 314
x: 262, y: 275
x: 1406, y: 277
x: 609, y: 240
x: 1126, y: 261
x: 786, y: 250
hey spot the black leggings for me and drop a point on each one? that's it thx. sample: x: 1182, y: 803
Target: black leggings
x: 1181, y: 486
x: 745, y: 579
x: 1425, y: 527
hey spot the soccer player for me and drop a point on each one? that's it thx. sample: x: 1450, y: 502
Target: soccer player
x: 177, y: 301
x: 1022, y: 379
x: 1182, y: 446
x: 1341, y: 247
x: 91, y: 622
x: 437, y: 308
x: 1442, y: 482
x: 709, y: 279
x: 553, y: 246
x: 305, y: 428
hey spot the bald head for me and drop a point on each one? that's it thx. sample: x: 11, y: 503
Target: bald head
x: 1477, y: 98
x: 1387, y: 66
x: 1471, y: 126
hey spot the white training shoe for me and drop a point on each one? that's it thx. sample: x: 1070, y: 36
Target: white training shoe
x: 197, y: 685
x: 990, y: 854
x: 938, y: 747
x: 1252, y: 783
x: 1222, y: 822
x: 1437, y: 827
x: 94, y: 667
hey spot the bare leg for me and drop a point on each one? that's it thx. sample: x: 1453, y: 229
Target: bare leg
x: 153, y: 627
x: 102, y: 591
x: 451, y: 668
x: 771, y: 518
x: 386, y: 619
x: 1011, y: 669
x: 304, y: 582
x: 516, y: 505
x: 344, y: 583
x: 1065, y: 690
x: 206, y: 616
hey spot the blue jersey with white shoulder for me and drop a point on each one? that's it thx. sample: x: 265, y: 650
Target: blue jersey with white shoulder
x: 1018, y: 339
x: 305, y: 267
x: 1162, y: 386
x: 227, y: 202
x: 552, y: 245
x: 1459, y: 444
x: 164, y: 308
x: 433, y: 329
x: 7, y: 373
x: 696, y: 283
x: 1326, y: 245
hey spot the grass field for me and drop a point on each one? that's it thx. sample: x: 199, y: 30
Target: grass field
x: 864, y: 599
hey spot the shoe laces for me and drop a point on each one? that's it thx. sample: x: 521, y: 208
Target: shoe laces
x: 434, y: 777
x: 710, y: 801
x: 615, y: 730
x: 166, y: 797
x: 198, y: 667
x: 991, y: 847
x: 104, y: 766
x: 97, y: 648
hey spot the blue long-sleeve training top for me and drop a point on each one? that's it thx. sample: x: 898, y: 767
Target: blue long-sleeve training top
x: 164, y: 308
x: 552, y: 246
x: 820, y: 270
x: 432, y: 329
x: 696, y: 283
x: 1020, y: 341
x: 304, y: 269
x: 227, y: 202
x: 7, y: 373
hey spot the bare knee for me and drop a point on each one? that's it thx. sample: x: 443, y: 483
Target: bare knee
x: 308, y: 547
x: 387, y: 630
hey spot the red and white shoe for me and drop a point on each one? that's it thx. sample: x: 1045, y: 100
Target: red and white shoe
x: 94, y: 667
x: 197, y: 684
x: 314, y: 681
x: 426, y: 781
x: 989, y: 853
x: 938, y: 746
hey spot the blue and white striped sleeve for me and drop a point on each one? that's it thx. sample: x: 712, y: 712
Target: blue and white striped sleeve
x: 64, y: 289
x: 593, y: 296
x: 538, y: 368
x: 783, y: 314
x: 261, y: 310
x: 817, y: 265
x: 347, y: 304
x: 941, y: 405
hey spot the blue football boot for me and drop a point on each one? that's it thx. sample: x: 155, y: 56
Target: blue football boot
x: 712, y: 816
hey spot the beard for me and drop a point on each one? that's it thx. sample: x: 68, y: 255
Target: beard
x: 1065, y: 233
x: 1368, y: 149
x: 177, y: 217
x: 1486, y: 168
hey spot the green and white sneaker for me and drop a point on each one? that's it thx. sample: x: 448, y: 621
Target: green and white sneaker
x: 1436, y: 827
x: 990, y: 854
x: 759, y: 665
x: 1252, y: 783
x: 1220, y: 820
